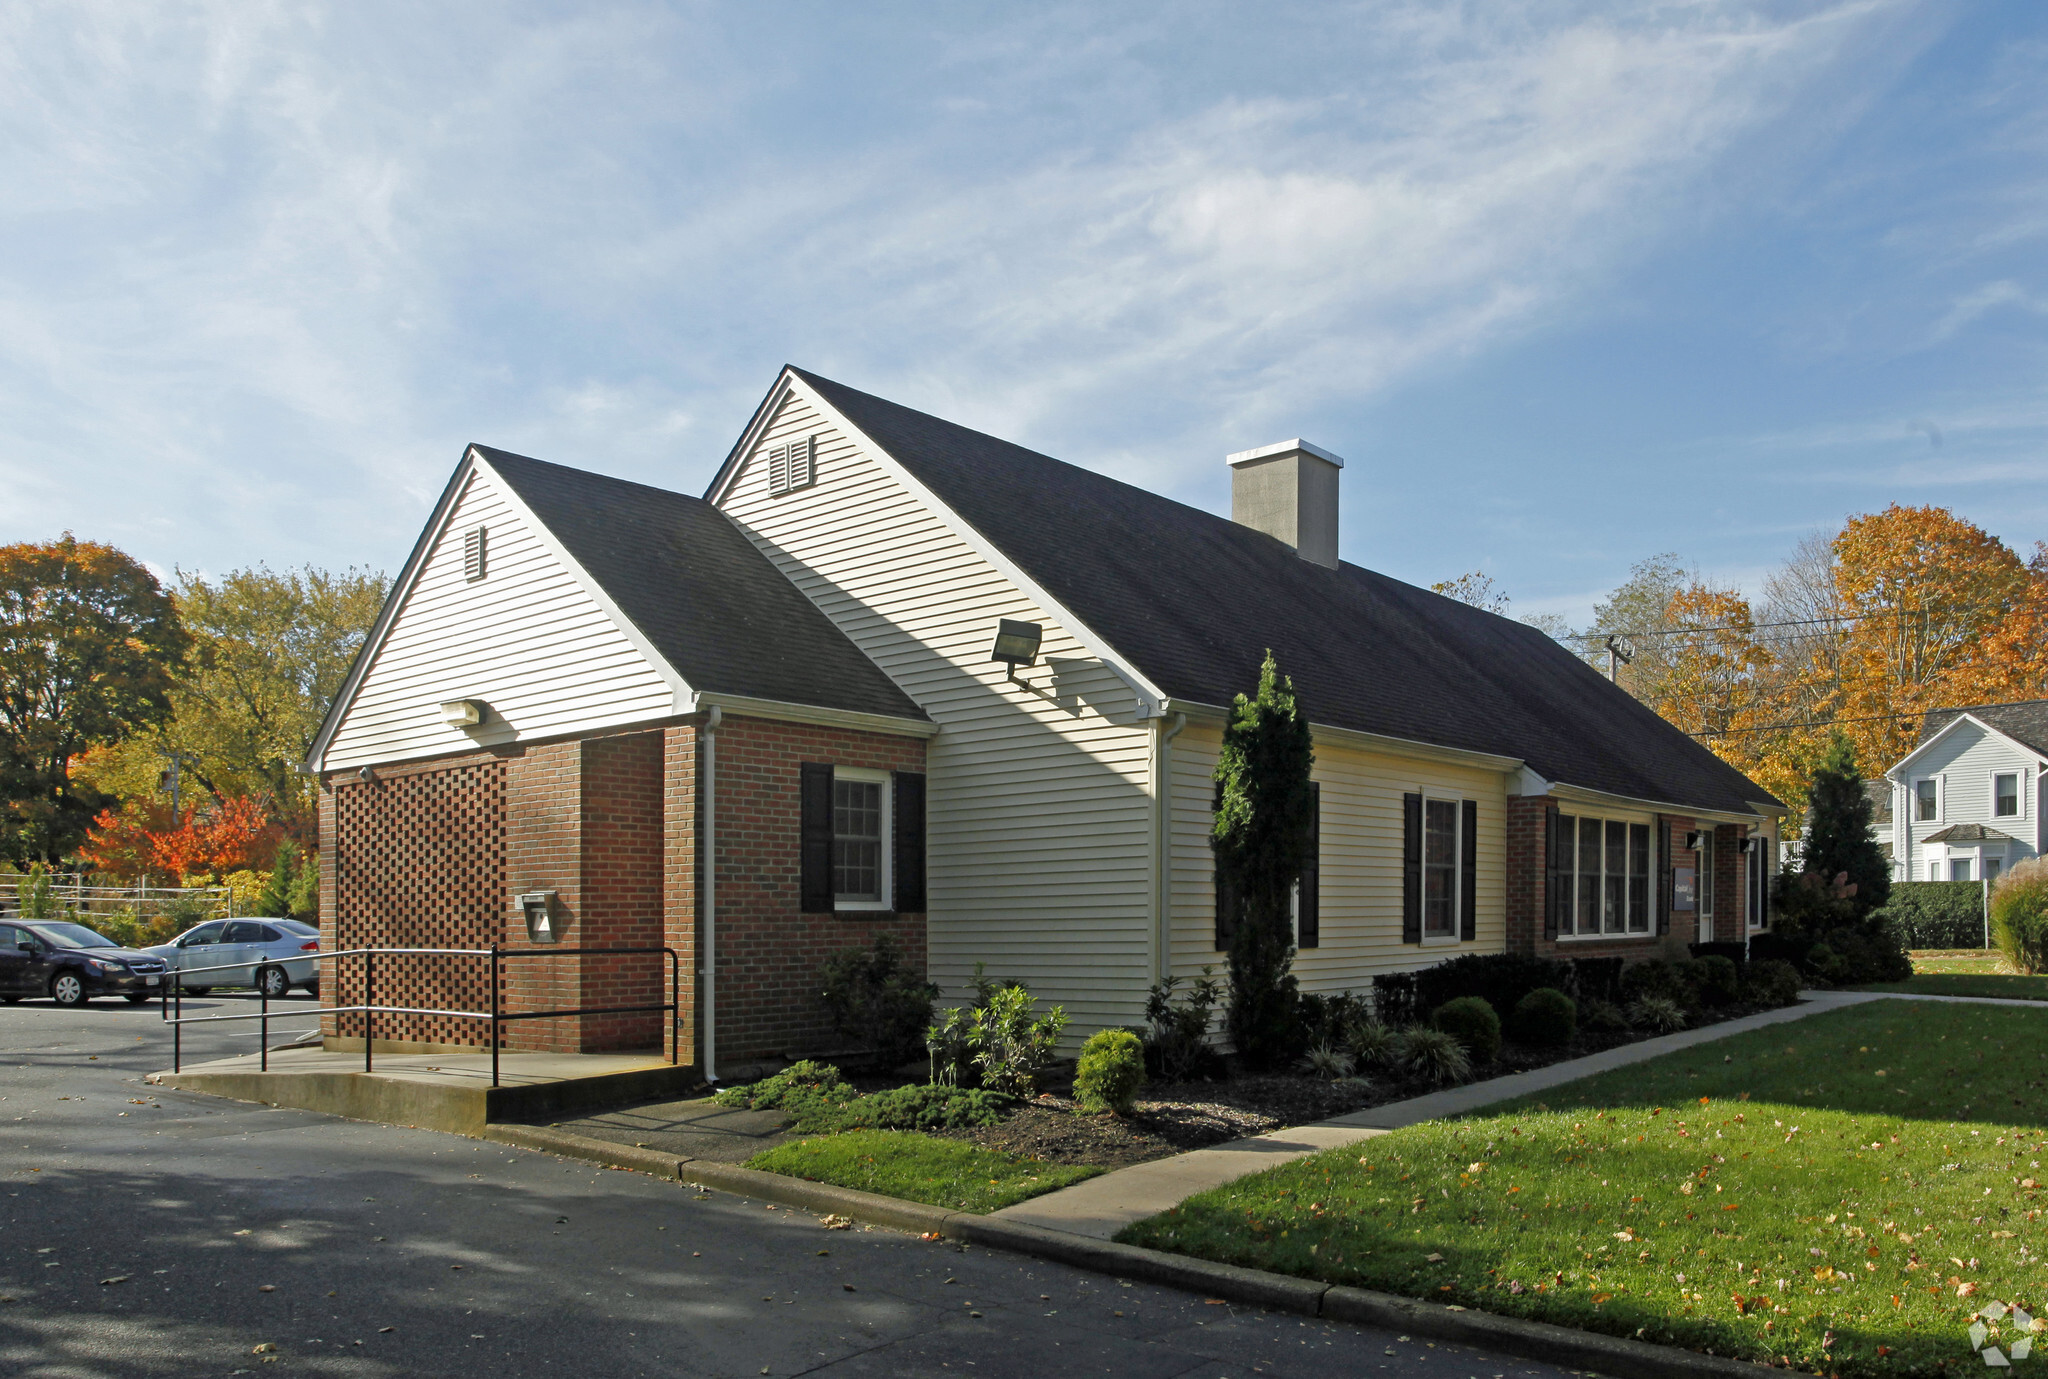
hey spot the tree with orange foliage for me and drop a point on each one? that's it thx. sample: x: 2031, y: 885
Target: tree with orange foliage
x: 146, y: 839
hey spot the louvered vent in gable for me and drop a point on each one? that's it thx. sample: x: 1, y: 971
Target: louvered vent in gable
x: 793, y: 466
x: 475, y: 554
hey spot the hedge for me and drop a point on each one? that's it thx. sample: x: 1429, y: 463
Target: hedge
x: 1937, y: 914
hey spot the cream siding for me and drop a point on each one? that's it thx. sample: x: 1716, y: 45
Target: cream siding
x: 528, y: 639
x: 1361, y: 861
x: 1039, y: 823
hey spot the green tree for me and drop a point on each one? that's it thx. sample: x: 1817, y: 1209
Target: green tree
x: 292, y: 890
x: 1264, y: 810
x: 1837, y: 840
x: 269, y: 654
x: 88, y: 640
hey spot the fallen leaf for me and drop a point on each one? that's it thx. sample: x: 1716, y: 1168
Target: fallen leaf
x: 264, y: 1348
x: 1435, y: 1258
x: 836, y: 1223
x: 117, y: 1278
x: 266, y: 1288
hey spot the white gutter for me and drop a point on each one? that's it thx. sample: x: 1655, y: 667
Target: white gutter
x: 1162, y: 937
x: 707, y: 929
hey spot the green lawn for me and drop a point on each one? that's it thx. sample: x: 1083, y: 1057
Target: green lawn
x: 919, y: 1168
x: 1965, y: 972
x: 1839, y: 1194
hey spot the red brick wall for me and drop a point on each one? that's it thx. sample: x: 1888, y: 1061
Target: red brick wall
x: 768, y: 952
x: 1528, y: 864
x: 622, y: 888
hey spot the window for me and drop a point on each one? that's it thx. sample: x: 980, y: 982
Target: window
x: 2005, y: 795
x: 1993, y: 866
x: 1959, y: 869
x: 856, y: 840
x: 1926, y: 800
x: 1603, y: 876
x: 793, y: 466
x: 475, y: 554
x: 1440, y: 869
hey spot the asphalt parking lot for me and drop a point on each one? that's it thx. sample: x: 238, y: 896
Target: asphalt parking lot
x: 149, y: 1232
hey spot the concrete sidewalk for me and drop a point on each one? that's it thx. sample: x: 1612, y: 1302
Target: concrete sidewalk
x: 1100, y: 1207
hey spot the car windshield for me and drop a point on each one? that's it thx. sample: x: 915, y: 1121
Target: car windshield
x: 74, y: 936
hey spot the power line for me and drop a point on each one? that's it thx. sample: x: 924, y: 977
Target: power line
x: 1781, y: 727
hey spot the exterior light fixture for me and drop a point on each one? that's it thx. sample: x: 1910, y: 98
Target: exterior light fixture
x: 366, y: 775
x: 1692, y: 840
x: 463, y: 713
x: 1016, y: 644
x: 539, y: 909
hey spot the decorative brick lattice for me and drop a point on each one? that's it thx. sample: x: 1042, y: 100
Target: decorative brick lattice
x: 419, y: 862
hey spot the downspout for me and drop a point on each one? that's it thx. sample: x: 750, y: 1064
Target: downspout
x: 707, y: 932
x: 1162, y: 938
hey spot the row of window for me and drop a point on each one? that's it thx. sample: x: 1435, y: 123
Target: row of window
x: 2005, y: 797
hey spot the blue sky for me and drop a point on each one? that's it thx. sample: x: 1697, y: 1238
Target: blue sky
x: 1567, y: 284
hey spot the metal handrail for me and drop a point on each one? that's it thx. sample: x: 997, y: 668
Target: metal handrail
x: 174, y: 992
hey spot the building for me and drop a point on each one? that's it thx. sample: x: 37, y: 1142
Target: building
x: 588, y: 688
x: 1965, y: 804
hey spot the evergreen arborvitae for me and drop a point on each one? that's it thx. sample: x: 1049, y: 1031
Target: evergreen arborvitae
x: 1838, y: 837
x: 293, y: 890
x: 1263, y: 814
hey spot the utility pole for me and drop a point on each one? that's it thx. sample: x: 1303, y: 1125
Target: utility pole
x: 169, y: 779
x: 1614, y: 654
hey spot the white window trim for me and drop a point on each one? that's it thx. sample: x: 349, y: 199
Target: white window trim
x: 1627, y: 935
x: 887, y: 782
x: 2019, y: 778
x: 1457, y: 803
x: 1913, y: 800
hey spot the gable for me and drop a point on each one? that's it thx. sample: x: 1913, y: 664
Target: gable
x: 528, y: 639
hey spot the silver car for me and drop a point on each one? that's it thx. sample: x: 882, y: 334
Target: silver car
x: 272, y: 955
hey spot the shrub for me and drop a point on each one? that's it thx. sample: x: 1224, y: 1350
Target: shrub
x: 130, y: 930
x: 1111, y: 1070
x: 814, y: 1094
x: 1473, y: 1022
x: 1328, y: 1062
x: 1501, y: 979
x: 953, y: 1042
x: 1714, y: 979
x: 1936, y: 914
x: 1325, y: 1018
x: 876, y: 1001
x: 184, y: 911
x: 1012, y: 1049
x: 1595, y: 979
x: 33, y: 899
x: 1435, y: 1057
x: 923, y: 1107
x: 2019, y: 916
x: 1825, y: 963
x: 1394, y: 1001
x: 1773, y: 982
x: 1545, y: 1018
x: 1178, y: 1048
x: 1657, y: 1014
x: 1652, y: 977
x: 1372, y: 1044
x: 1604, y: 1017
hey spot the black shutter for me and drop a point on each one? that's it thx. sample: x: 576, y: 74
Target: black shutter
x: 1468, y: 873
x: 1226, y: 912
x: 908, y: 864
x: 1411, y: 869
x: 815, y: 888
x: 1554, y: 887
x: 1309, y: 929
x: 1665, y: 879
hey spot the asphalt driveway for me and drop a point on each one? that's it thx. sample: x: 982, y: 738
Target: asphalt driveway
x: 148, y: 1232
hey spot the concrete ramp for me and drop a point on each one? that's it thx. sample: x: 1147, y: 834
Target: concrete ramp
x: 439, y: 1091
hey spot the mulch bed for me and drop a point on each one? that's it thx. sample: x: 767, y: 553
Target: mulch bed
x: 1174, y: 1118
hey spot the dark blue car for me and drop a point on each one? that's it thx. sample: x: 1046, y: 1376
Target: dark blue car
x: 71, y: 964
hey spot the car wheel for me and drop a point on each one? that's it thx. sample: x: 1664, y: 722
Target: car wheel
x: 313, y: 990
x: 136, y: 998
x: 68, y: 989
x: 272, y: 982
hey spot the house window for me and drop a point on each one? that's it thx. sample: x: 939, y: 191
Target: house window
x: 1926, y: 800
x: 1439, y: 868
x: 1993, y: 866
x: 1959, y: 869
x: 475, y: 554
x: 793, y: 466
x: 2005, y: 795
x: 1603, y: 870
x: 859, y: 827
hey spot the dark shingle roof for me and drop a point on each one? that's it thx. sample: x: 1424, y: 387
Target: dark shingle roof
x: 700, y: 592
x: 1193, y: 601
x: 2025, y: 722
x: 1969, y: 833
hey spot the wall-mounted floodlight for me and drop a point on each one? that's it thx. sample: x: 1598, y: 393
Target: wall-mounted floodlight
x: 1692, y: 840
x: 463, y: 713
x: 366, y: 775
x: 1016, y: 643
x: 539, y: 909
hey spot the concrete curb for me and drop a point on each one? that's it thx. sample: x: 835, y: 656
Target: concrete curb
x: 1560, y: 1345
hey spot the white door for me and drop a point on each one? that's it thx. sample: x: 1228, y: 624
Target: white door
x: 1706, y: 886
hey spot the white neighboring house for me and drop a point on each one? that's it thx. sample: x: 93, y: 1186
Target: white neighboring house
x: 1966, y: 804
